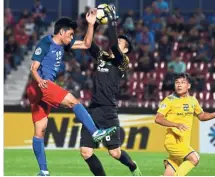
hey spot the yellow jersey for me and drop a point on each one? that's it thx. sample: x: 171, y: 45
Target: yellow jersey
x: 180, y: 110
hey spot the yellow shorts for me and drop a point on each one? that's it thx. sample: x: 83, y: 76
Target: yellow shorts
x: 178, y: 150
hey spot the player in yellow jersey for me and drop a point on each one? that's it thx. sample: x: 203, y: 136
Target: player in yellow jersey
x: 176, y: 112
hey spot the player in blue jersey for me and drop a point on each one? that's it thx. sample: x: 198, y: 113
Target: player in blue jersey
x: 43, y: 93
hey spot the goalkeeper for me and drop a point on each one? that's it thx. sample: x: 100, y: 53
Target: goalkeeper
x: 103, y: 109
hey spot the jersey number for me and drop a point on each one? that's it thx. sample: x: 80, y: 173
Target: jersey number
x: 58, y: 58
x: 102, y: 64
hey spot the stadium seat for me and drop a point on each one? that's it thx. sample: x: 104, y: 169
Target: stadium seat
x: 136, y: 88
x: 192, y: 67
x: 160, y: 85
x: 153, y: 105
x: 203, y: 96
x: 138, y: 76
x: 141, y: 76
x: 210, y: 77
x: 134, y: 76
x: 214, y: 96
x: 209, y: 104
x: 130, y: 65
x: 161, y: 67
x: 194, y: 94
x: 163, y: 94
x: 208, y: 86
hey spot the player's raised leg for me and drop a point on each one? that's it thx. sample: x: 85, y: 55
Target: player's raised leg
x: 83, y: 116
x: 189, y: 163
x: 126, y: 160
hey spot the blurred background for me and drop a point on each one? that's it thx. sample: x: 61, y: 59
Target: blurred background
x: 171, y: 37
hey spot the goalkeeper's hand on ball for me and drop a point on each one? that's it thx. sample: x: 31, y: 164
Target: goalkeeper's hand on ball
x: 111, y: 14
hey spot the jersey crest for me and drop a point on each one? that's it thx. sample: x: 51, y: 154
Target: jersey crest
x: 162, y: 106
x: 186, y: 107
x: 38, y: 51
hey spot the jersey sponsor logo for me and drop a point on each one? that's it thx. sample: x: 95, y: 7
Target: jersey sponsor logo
x: 185, y: 114
x: 188, y: 113
x: 104, y: 70
x: 186, y: 107
x: 101, y: 67
x: 38, y: 51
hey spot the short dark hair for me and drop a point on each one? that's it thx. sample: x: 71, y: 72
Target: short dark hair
x: 185, y: 76
x: 129, y: 44
x: 65, y: 23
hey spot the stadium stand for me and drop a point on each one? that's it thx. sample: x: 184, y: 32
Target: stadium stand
x: 166, y: 44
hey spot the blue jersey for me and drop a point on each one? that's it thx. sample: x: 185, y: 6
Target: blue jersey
x: 50, y: 55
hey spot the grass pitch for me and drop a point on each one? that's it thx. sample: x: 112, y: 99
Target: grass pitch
x: 69, y: 163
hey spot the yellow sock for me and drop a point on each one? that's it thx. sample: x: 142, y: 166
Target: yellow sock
x: 184, y: 168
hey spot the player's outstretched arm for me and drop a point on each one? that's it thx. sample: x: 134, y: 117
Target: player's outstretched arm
x: 204, y: 116
x: 34, y: 67
x: 112, y: 34
x: 94, y: 49
x: 86, y: 43
x: 160, y: 119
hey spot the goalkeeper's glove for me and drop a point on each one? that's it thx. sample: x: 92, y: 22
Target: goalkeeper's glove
x: 111, y: 14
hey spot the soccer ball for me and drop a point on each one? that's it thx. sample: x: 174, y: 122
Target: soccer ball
x: 101, y: 16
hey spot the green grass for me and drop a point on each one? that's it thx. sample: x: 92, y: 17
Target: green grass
x: 69, y: 163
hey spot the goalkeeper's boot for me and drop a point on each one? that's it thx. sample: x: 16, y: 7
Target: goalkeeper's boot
x: 43, y: 173
x: 100, y: 134
x: 137, y: 171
